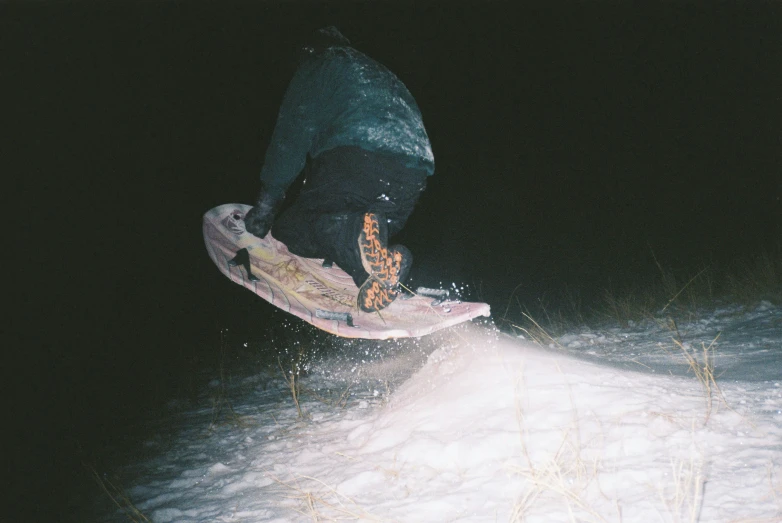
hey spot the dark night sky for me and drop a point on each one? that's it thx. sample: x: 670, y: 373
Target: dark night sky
x: 569, y: 138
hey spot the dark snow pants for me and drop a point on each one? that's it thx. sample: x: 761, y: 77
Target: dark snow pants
x: 341, y: 185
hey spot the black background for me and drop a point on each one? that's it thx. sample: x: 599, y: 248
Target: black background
x: 570, y: 140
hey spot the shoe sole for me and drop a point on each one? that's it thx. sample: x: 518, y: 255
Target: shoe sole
x: 386, y: 267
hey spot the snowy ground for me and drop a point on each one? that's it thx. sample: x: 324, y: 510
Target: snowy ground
x: 476, y: 425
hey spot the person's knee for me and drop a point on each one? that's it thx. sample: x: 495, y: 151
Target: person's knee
x: 295, y: 230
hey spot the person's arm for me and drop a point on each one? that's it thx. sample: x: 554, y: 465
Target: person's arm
x: 258, y: 220
x: 294, y: 132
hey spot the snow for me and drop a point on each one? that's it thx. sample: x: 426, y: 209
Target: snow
x: 473, y: 424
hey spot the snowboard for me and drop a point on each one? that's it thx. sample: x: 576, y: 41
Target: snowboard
x: 322, y: 294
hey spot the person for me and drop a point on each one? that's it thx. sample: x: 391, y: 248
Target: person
x: 353, y: 130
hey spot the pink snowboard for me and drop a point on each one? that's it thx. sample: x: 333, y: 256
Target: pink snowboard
x: 324, y: 297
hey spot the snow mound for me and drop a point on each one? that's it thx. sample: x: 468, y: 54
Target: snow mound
x: 490, y: 428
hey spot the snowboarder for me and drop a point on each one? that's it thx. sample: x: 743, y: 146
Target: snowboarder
x: 353, y: 130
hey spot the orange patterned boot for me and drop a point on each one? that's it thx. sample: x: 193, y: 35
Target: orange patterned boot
x: 387, y: 266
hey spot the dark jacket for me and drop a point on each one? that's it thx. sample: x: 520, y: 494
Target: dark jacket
x: 341, y: 97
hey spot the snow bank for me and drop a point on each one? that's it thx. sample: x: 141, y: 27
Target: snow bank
x: 490, y: 428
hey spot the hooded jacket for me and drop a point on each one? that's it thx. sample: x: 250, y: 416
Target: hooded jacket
x: 341, y: 97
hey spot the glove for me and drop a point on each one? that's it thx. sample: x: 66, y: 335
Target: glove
x: 259, y: 219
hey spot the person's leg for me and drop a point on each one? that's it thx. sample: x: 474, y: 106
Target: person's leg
x: 295, y: 227
x: 387, y: 267
x: 351, y: 202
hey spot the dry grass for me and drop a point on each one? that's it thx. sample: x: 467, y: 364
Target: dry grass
x: 557, y: 321
x: 322, y: 502
x: 704, y: 372
x: 391, y: 473
x: 626, y: 307
x: 118, y: 496
x: 573, y: 479
x: 668, y: 293
x: 686, y: 500
x: 565, y: 474
x: 529, y: 327
x: 223, y: 412
x: 339, y: 401
x: 574, y: 483
x: 701, y: 364
x: 534, y: 331
x: 292, y: 377
x: 759, y: 277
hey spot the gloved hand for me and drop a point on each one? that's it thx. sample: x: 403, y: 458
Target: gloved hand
x: 259, y: 219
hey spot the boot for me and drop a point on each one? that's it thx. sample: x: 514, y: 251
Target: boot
x: 387, y: 267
